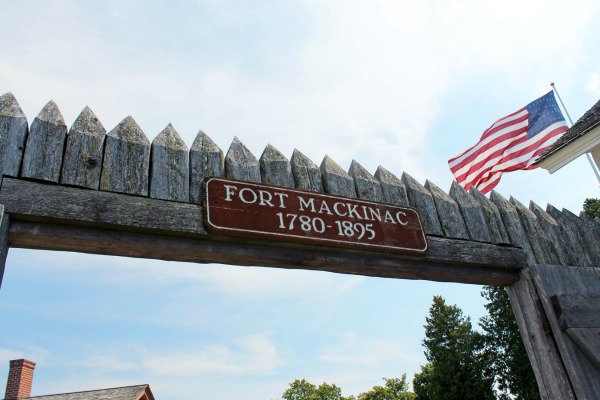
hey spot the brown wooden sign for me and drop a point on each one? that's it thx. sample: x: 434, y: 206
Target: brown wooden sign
x: 254, y: 210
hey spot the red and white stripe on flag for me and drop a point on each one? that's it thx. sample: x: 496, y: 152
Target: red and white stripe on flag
x: 505, y: 146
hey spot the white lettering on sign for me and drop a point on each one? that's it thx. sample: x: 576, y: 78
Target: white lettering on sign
x: 290, y: 221
x: 261, y: 211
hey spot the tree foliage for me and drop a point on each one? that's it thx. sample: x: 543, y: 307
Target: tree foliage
x: 458, y: 368
x: 592, y: 207
x: 301, y: 389
x: 504, y: 349
x: 393, y: 389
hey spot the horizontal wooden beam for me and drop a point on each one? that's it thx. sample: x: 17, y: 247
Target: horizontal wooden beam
x: 52, y: 217
x: 25, y: 234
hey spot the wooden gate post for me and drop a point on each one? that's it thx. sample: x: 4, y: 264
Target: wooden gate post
x: 4, y: 224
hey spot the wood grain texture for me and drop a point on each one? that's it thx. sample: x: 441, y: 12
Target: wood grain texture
x: 307, y: 174
x: 551, y: 280
x: 275, y: 168
x: 84, y: 152
x: 392, y: 187
x: 588, y: 340
x: 169, y: 169
x: 420, y: 198
x: 591, y: 230
x: 224, y: 250
x: 241, y: 164
x: 533, y: 232
x: 512, y: 223
x: 45, y: 145
x: 69, y: 205
x: 550, y: 372
x: 206, y: 159
x: 335, y: 180
x: 126, y: 163
x: 445, y: 259
x: 448, y: 213
x: 553, y: 236
x: 13, y: 134
x: 577, y: 310
x: 493, y: 218
x: 580, y: 248
x: 367, y: 187
x: 473, y: 216
x: 4, y: 229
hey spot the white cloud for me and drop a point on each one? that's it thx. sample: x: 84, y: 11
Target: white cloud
x: 370, y: 352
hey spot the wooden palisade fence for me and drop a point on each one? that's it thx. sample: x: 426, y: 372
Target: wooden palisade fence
x: 87, y: 190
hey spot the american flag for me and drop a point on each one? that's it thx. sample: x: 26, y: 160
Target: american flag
x: 511, y: 143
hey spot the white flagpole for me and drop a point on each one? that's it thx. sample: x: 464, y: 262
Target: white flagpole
x: 571, y: 122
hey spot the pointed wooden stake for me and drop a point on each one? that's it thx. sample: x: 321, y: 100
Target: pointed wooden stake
x: 335, y: 180
x: 84, y: 152
x: 448, y: 212
x: 275, y: 169
x: 45, y: 144
x: 306, y: 173
x: 421, y: 199
x: 206, y: 159
x: 241, y: 164
x: 13, y: 133
x: 169, y: 172
x: 367, y: 187
x: 392, y: 187
x: 126, y: 160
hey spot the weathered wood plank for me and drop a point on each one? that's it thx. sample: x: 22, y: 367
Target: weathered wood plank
x: 577, y: 310
x: 275, y: 168
x: 26, y: 234
x: 13, y: 134
x: 421, y: 199
x: 448, y: 213
x: 473, y: 216
x: 588, y: 340
x: 45, y: 144
x: 533, y: 232
x: 553, y: 235
x: 592, y: 231
x: 551, y: 280
x: 493, y: 218
x: 241, y: 164
x: 578, y: 244
x: 392, y: 187
x: 307, y: 174
x: 512, y: 223
x: 126, y: 161
x: 84, y: 152
x: 453, y: 260
x: 550, y: 372
x: 4, y: 229
x: 169, y: 170
x: 33, y: 200
x: 206, y: 159
x: 335, y: 180
x: 367, y: 187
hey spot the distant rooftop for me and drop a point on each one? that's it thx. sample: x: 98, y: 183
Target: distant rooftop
x: 137, y: 392
x: 587, y: 122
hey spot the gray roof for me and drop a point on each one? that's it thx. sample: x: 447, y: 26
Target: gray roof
x: 121, y: 393
x: 589, y: 120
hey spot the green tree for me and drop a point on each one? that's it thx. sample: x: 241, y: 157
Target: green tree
x: 507, y: 359
x: 592, y: 207
x: 301, y: 389
x: 455, y: 351
x: 393, y: 389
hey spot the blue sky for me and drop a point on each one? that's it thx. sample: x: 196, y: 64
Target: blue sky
x: 402, y: 84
